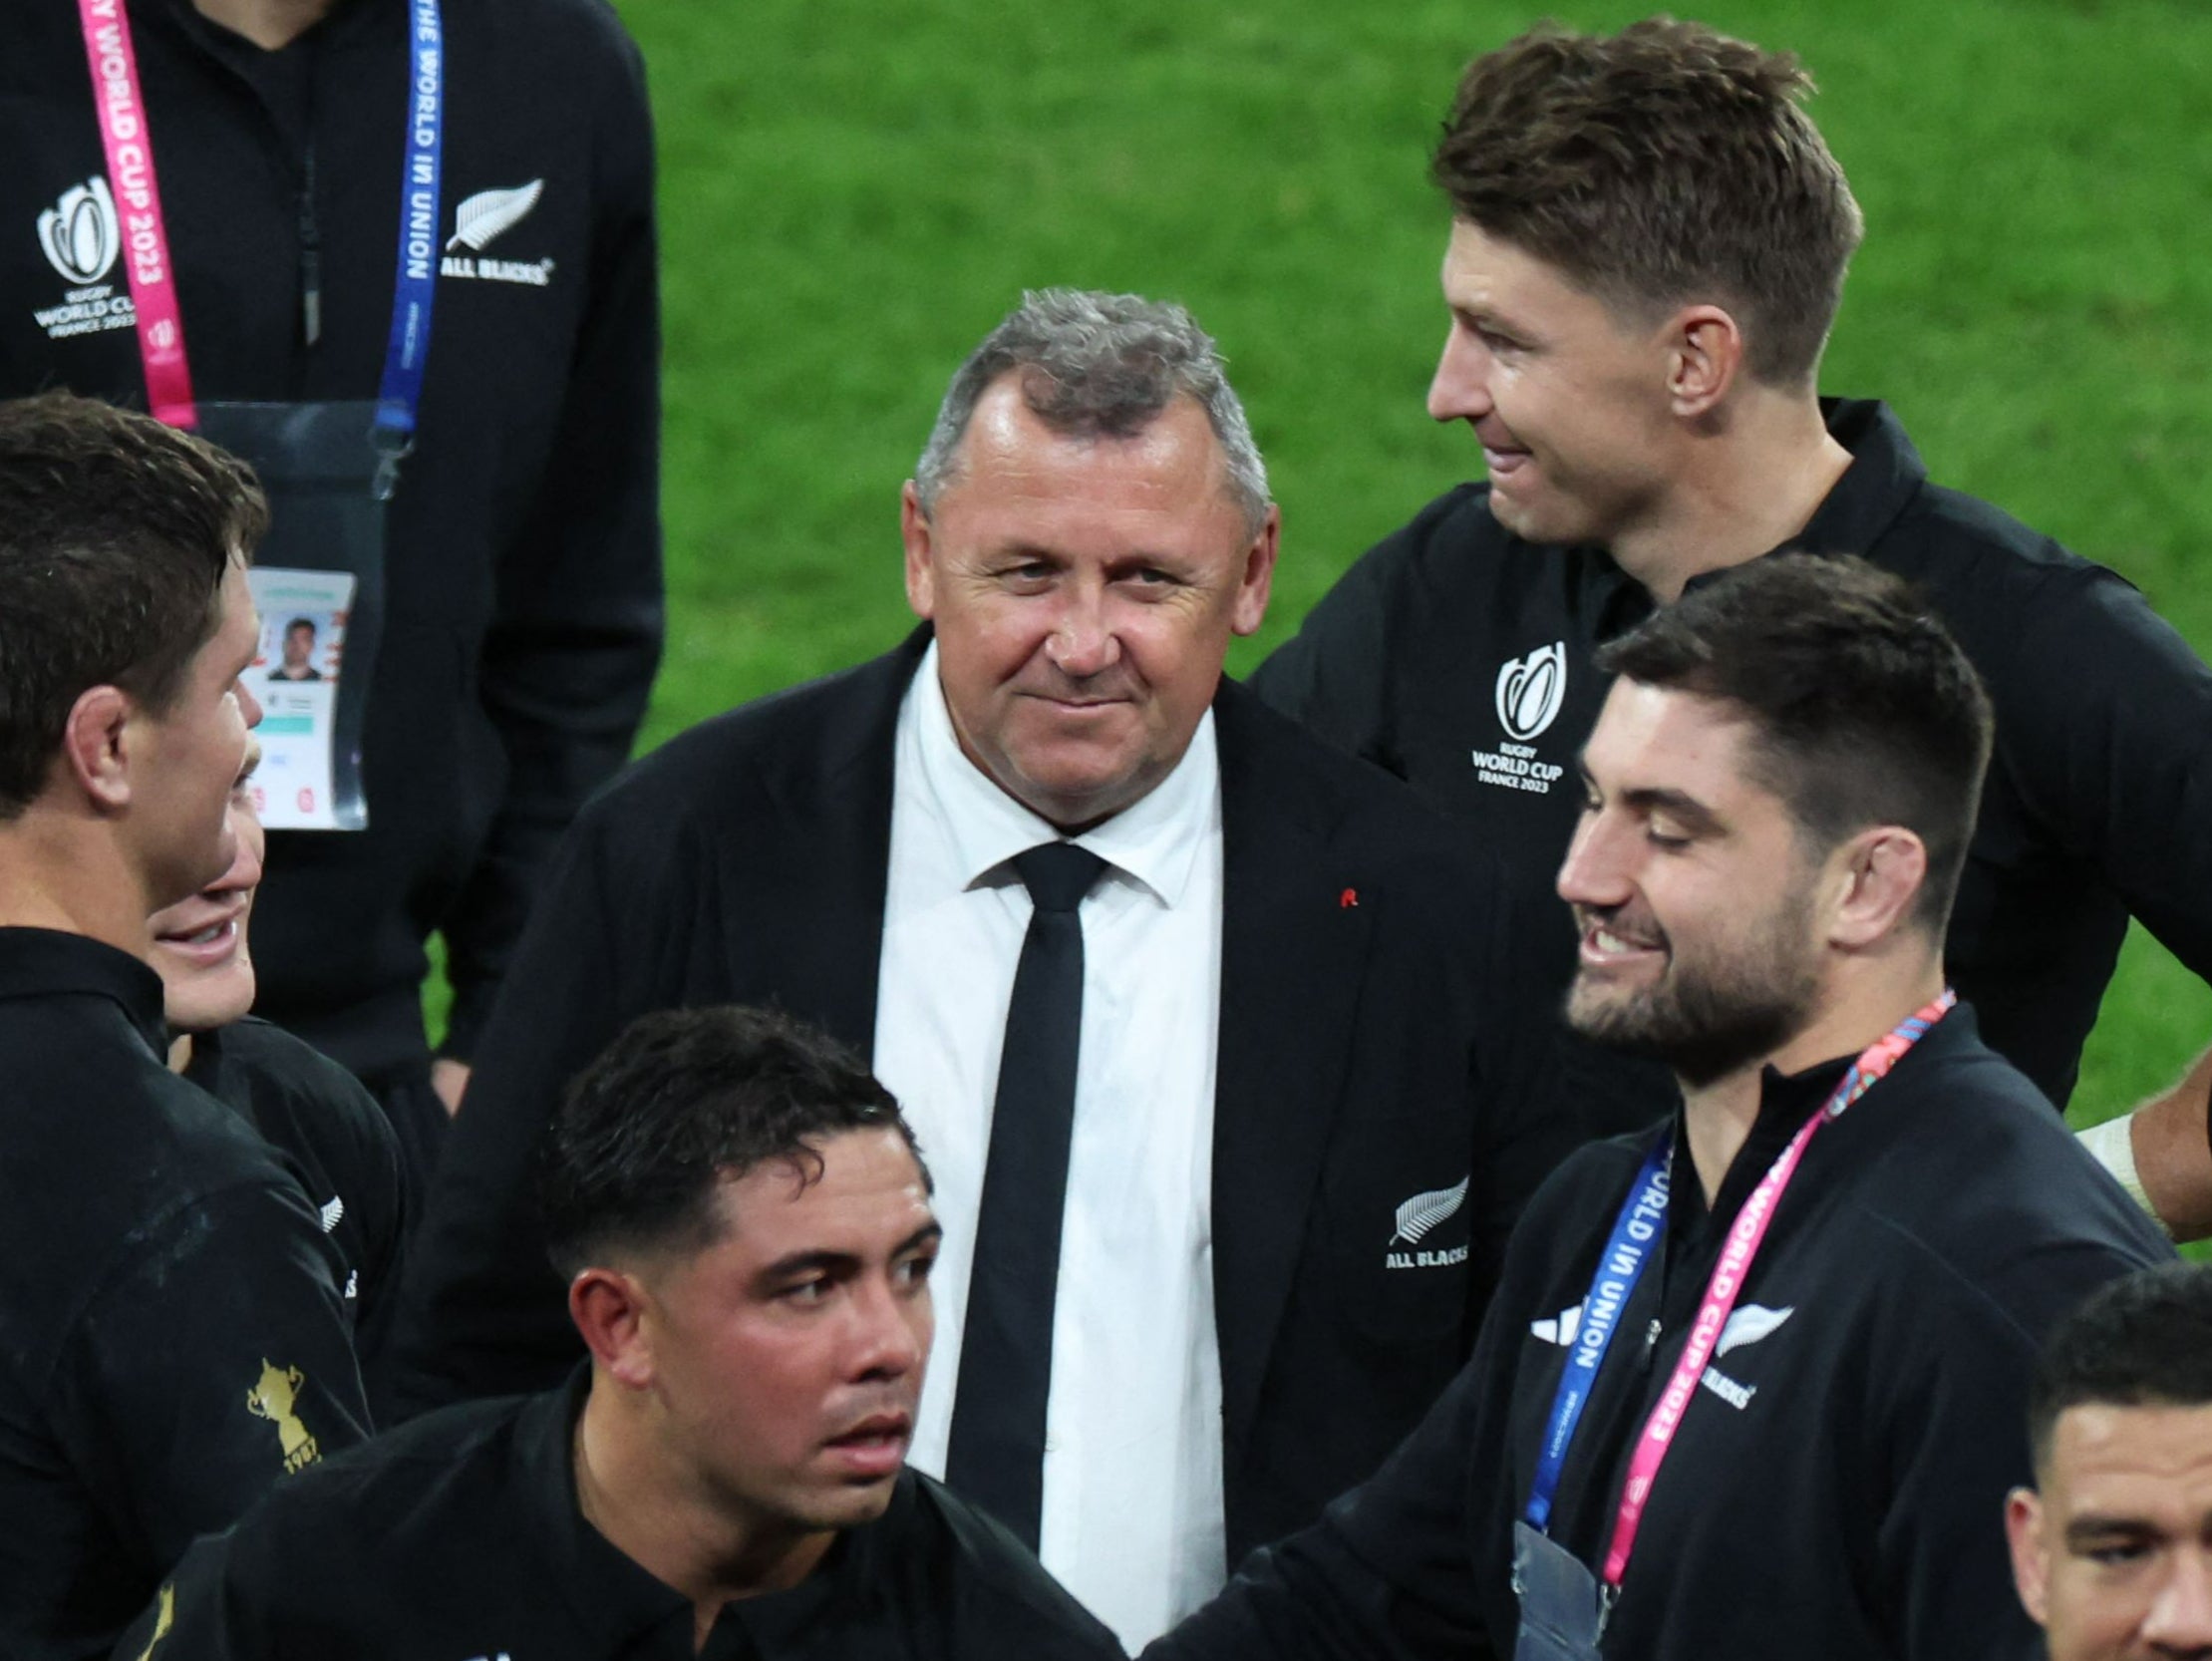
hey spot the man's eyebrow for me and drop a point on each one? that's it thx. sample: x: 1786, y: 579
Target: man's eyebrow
x: 1679, y: 806
x: 2093, y: 1529
x: 846, y: 1262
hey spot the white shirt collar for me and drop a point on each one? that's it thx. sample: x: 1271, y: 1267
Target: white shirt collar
x: 1153, y: 841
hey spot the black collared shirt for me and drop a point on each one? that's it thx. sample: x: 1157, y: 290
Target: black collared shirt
x: 459, y: 1535
x: 171, y: 1335
x: 1835, y: 1490
x: 1429, y: 658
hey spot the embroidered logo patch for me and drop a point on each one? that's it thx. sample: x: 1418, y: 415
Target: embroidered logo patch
x: 1418, y: 1217
x: 1529, y: 690
x: 79, y: 233
x: 82, y: 238
x: 480, y: 220
x: 273, y: 1397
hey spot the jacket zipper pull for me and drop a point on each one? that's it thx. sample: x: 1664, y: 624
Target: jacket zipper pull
x: 310, y: 259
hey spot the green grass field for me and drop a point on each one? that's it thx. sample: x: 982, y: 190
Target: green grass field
x: 851, y: 194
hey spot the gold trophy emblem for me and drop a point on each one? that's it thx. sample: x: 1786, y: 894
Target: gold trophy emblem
x: 272, y: 1399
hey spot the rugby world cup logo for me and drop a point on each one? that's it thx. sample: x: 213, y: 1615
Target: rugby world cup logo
x: 1529, y: 690
x: 79, y: 234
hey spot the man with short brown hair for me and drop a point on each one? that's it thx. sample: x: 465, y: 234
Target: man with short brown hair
x: 1647, y: 247
x: 1752, y: 1386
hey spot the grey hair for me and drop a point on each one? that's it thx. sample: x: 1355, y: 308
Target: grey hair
x: 1096, y: 365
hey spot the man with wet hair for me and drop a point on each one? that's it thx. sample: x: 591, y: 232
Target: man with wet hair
x: 1751, y: 1382
x: 172, y: 1340
x: 2113, y: 1547
x: 1214, y: 1035
x: 1648, y: 246
x: 745, y: 1228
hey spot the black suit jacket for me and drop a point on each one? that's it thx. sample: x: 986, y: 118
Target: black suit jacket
x: 1372, y: 1051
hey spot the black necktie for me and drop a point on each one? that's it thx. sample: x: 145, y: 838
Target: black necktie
x: 997, y: 1454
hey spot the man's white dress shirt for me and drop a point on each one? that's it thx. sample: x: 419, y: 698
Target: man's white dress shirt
x: 1133, y: 1519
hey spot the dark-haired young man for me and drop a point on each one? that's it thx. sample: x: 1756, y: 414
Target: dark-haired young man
x: 1648, y: 247
x: 2113, y: 1547
x: 1751, y: 1386
x: 746, y: 1229
x: 172, y: 1336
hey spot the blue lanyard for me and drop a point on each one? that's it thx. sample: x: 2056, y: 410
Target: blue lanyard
x: 400, y: 395
x: 1637, y: 1233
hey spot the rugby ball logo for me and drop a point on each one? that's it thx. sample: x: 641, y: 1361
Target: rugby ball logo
x: 78, y: 234
x: 1529, y: 690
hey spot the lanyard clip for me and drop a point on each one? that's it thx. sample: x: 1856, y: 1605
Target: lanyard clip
x: 391, y: 447
x: 1609, y: 1594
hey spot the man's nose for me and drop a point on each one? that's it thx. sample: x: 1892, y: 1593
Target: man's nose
x: 1460, y: 388
x: 249, y: 707
x: 1083, y: 641
x: 1595, y: 872
x: 890, y: 1327
x: 2179, y: 1622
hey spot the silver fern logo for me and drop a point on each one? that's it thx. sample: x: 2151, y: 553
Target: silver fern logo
x: 78, y: 234
x: 491, y: 213
x: 1747, y: 1324
x: 1529, y: 690
x: 1421, y: 1217
x: 334, y: 1212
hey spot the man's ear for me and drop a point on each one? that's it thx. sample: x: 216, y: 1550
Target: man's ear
x: 609, y: 1307
x: 1705, y: 356
x: 1879, y: 874
x: 98, y: 741
x: 2030, y: 1567
x: 1256, y: 576
x: 914, y: 530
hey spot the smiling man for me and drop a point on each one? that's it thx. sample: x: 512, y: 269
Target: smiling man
x: 157, y: 1263
x: 745, y: 1232
x: 1753, y: 1380
x: 1647, y: 250
x: 1212, y: 1034
x: 319, y: 1117
x: 2113, y: 1547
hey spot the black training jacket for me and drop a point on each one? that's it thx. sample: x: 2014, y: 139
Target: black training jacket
x: 523, y: 590
x: 1837, y: 1488
x: 172, y: 1340
x: 1459, y: 657
x: 329, y: 1132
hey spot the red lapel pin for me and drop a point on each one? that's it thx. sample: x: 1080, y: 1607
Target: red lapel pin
x: 1348, y: 898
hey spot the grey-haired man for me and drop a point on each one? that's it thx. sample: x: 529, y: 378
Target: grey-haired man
x: 1226, y: 1120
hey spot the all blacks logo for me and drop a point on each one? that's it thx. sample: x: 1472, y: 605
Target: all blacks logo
x: 1529, y: 690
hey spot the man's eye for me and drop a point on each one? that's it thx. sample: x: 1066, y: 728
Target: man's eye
x: 1659, y: 837
x: 916, y: 1270
x: 805, y: 1292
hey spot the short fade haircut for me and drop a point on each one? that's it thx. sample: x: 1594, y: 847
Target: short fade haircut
x: 2141, y: 1341
x: 634, y: 1157
x: 1662, y: 165
x: 114, y: 534
x: 1864, y: 708
x: 1091, y: 366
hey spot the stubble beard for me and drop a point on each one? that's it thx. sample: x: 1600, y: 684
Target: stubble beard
x: 1705, y: 1022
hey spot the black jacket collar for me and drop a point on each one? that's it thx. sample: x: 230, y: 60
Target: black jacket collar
x: 44, y: 963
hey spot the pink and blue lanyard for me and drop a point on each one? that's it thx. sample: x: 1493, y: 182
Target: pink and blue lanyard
x: 1638, y: 1232
x: 128, y: 147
